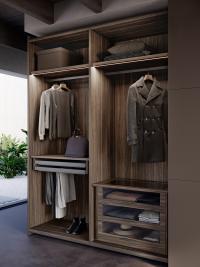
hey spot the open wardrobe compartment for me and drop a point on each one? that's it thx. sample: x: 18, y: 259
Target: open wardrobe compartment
x: 115, y: 80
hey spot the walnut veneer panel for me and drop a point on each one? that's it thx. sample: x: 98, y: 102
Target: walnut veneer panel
x: 140, y: 26
x: 98, y: 44
x: 100, y: 113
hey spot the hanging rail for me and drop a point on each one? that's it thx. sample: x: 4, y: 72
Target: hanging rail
x: 136, y: 70
x: 67, y: 78
x: 109, y: 73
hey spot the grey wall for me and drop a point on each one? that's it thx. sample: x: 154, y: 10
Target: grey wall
x: 12, y: 60
x: 71, y: 14
x: 184, y: 133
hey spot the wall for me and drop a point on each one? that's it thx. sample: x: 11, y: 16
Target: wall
x: 13, y: 105
x: 184, y: 133
x: 12, y: 60
x: 70, y: 14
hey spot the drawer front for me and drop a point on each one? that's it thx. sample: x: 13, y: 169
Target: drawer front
x: 157, y: 248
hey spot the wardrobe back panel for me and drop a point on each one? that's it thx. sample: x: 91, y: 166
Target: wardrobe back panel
x: 123, y: 167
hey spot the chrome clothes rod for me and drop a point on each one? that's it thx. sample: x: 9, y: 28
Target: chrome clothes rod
x: 136, y: 70
x: 67, y: 78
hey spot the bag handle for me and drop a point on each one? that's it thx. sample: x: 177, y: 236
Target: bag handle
x: 77, y: 132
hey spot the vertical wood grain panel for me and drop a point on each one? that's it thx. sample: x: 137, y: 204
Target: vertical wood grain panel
x: 97, y: 45
x: 100, y: 113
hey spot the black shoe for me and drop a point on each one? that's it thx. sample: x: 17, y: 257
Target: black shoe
x: 73, y: 225
x: 81, y: 227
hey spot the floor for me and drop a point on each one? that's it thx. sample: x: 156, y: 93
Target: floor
x: 14, y: 188
x: 19, y: 249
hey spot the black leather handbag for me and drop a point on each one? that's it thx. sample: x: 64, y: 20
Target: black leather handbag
x: 77, y: 146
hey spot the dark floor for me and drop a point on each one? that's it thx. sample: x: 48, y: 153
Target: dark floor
x: 17, y: 249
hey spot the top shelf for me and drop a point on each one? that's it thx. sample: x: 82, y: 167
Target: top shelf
x: 82, y: 69
x: 155, y: 60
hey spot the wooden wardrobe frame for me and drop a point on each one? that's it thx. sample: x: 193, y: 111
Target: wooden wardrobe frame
x: 98, y: 126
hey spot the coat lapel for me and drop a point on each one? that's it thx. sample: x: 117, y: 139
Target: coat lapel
x: 155, y: 91
x: 145, y: 93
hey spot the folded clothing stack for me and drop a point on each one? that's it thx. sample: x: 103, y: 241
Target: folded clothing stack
x: 123, y: 195
x: 126, y: 49
x: 124, y: 213
x: 149, y: 217
x: 153, y: 236
x: 151, y: 199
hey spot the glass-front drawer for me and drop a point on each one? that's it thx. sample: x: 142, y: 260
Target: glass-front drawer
x: 130, y: 236
x: 131, y: 232
x: 129, y: 196
x: 135, y: 215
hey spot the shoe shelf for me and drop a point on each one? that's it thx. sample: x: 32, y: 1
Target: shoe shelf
x: 57, y: 228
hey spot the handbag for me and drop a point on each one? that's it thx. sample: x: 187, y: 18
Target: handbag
x: 77, y: 146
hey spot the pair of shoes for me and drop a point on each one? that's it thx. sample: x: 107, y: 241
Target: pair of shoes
x: 77, y: 226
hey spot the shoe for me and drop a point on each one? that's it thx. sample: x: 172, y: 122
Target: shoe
x: 73, y: 225
x: 81, y: 227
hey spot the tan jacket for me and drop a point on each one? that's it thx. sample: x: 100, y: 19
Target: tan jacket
x: 147, y: 115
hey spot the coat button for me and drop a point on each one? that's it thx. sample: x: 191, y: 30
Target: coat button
x: 153, y: 132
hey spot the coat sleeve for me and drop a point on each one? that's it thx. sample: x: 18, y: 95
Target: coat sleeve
x: 41, y: 127
x: 131, y: 117
x: 165, y: 113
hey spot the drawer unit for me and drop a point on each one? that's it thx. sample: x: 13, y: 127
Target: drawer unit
x: 132, y: 217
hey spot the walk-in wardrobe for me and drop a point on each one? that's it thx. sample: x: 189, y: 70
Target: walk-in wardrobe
x: 100, y: 87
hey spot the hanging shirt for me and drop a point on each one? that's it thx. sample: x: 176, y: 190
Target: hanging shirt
x: 56, y: 113
x: 61, y: 114
x: 44, y: 113
x: 65, y: 193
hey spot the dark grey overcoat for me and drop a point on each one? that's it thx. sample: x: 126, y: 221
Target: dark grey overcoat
x: 147, y: 121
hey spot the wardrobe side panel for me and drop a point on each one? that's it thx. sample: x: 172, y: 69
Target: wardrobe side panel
x: 97, y: 45
x: 100, y: 134
x: 81, y: 91
x: 38, y: 212
x: 123, y: 167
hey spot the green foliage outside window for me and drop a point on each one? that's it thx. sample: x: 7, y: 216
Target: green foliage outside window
x: 13, y: 156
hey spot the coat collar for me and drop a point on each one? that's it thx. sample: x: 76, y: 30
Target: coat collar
x: 155, y: 90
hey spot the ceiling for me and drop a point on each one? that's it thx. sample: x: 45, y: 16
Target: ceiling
x: 11, y: 16
x: 43, y: 17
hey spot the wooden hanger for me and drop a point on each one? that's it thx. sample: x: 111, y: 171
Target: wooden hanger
x: 64, y: 87
x: 148, y: 77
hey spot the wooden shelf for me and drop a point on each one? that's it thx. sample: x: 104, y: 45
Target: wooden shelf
x: 138, y: 185
x: 76, y: 70
x: 135, y: 223
x: 131, y: 204
x: 58, y: 157
x: 56, y: 229
x: 155, y: 60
